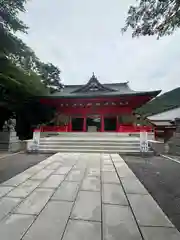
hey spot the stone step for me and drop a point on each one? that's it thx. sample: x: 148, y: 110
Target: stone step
x: 88, y: 147
x: 93, y: 133
x: 85, y: 143
x: 52, y: 150
x: 88, y: 136
x: 89, y: 140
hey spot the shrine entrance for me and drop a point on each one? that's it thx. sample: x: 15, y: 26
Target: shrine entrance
x: 93, y: 124
x: 77, y: 124
x: 110, y: 123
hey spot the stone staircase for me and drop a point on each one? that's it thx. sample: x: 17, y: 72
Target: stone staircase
x: 91, y: 142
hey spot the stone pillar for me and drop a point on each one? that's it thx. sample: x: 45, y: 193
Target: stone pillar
x: 102, y: 123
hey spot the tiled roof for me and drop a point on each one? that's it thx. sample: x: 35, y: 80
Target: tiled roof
x: 95, y: 88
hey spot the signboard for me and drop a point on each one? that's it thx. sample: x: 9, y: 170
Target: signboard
x: 143, y: 142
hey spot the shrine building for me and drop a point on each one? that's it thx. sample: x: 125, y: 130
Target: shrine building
x: 96, y: 107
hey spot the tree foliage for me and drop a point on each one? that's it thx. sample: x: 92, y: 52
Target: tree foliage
x: 16, y: 50
x: 19, y: 85
x: 10, y: 24
x: 153, y: 17
x: 50, y: 75
x: 23, y: 77
x: 9, y: 14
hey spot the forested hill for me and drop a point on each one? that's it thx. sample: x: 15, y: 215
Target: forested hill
x: 162, y: 103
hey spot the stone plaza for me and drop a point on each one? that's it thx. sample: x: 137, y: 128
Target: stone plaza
x: 72, y: 196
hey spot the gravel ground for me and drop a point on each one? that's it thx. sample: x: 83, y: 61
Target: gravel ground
x: 162, y: 179
x: 12, y: 165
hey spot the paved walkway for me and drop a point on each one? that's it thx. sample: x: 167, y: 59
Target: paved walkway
x: 80, y: 197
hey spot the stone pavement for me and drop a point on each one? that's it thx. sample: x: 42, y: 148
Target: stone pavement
x: 73, y: 196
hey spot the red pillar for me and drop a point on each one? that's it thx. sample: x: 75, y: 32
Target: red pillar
x: 117, y: 123
x: 102, y: 123
x: 70, y: 124
x: 84, y: 124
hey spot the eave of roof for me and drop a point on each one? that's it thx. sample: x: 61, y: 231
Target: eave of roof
x: 105, y: 94
x: 162, y: 123
x: 105, y: 84
x: 94, y: 89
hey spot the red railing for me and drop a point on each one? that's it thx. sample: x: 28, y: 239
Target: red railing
x: 54, y: 129
x: 124, y: 128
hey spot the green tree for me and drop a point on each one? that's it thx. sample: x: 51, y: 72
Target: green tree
x: 23, y: 77
x: 50, y: 76
x: 19, y: 84
x: 10, y: 24
x: 153, y: 17
x: 20, y: 92
x: 17, y: 51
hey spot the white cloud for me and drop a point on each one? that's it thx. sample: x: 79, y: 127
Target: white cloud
x: 84, y: 36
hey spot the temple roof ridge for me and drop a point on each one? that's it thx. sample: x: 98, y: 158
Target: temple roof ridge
x: 93, y: 85
x: 113, y: 83
x: 117, y: 83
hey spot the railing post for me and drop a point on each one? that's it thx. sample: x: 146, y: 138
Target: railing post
x: 144, y: 141
x: 36, y: 140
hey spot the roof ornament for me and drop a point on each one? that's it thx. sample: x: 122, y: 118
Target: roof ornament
x: 93, y: 76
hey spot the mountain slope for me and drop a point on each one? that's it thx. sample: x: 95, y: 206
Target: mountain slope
x: 162, y: 103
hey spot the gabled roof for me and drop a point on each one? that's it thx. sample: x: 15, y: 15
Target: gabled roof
x: 94, y: 88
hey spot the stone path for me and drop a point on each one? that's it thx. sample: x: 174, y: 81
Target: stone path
x: 80, y: 197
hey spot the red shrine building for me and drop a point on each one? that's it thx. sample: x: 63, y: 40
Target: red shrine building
x: 96, y: 107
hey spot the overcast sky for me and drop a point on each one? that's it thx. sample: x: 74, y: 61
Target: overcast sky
x: 83, y: 36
